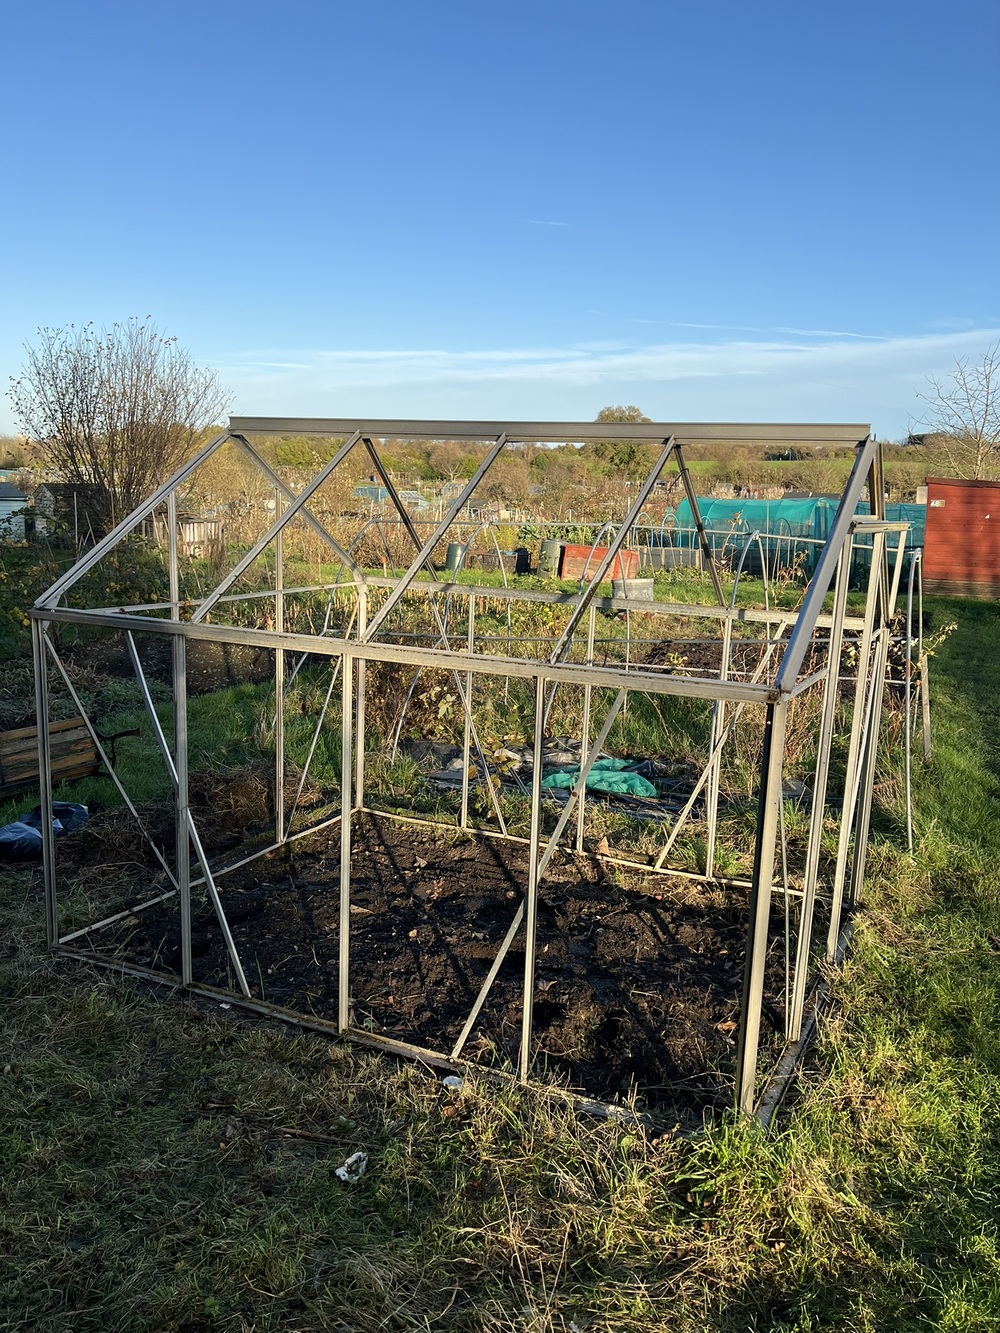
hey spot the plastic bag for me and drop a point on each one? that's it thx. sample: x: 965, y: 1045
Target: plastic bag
x: 66, y: 816
x: 607, y: 775
x: 20, y: 842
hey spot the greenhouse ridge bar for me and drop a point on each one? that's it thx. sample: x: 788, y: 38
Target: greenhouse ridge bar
x: 407, y: 621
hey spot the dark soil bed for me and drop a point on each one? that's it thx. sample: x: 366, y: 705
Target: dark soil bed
x: 637, y: 987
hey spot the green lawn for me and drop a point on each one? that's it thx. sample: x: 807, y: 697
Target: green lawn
x: 167, y: 1167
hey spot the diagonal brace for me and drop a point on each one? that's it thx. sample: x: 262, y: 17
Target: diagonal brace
x: 297, y: 504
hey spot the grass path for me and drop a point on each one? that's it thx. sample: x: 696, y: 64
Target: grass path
x: 149, y: 1181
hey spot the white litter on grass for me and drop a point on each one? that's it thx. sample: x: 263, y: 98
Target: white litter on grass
x: 453, y: 1081
x: 353, y: 1169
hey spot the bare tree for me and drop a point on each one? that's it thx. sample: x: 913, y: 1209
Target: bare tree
x: 965, y: 414
x: 116, y: 410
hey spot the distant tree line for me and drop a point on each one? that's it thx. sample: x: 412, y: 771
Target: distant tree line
x: 117, y: 410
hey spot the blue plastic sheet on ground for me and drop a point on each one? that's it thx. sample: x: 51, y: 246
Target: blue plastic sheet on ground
x: 22, y: 840
x: 607, y: 775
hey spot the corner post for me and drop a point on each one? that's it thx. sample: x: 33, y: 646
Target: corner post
x: 45, y: 781
x: 531, y: 895
x: 768, y: 814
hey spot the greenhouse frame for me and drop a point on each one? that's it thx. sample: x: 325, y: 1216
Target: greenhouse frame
x: 799, y: 653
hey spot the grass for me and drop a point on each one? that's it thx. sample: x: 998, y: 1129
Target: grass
x: 170, y: 1167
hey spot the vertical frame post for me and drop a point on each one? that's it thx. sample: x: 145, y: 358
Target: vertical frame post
x: 531, y: 894
x: 888, y: 591
x: 182, y: 839
x: 585, y: 728
x: 714, y: 784
x: 854, y: 748
x: 182, y: 814
x: 360, y: 700
x: 828, y: 719
x: 45, y: 781
x: 925, y: 685
x: 279, y: 677
x: 173, y: 573
x: 346, y: 770
x: 768, y: 816
x: 470, y: 643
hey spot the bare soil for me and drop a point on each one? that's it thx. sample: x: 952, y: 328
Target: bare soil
x: 637, y: 983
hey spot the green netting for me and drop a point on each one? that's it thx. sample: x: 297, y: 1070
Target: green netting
x: 794, y: 518
x: 791, y: 531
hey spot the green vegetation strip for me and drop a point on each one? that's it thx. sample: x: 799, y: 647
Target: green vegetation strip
x: 169, y: 1168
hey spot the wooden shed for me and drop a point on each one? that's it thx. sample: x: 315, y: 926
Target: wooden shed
x: 962, y: 537
x: 12, y: 502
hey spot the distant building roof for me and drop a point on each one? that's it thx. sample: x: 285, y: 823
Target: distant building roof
x: 8, y: 491
x: 76, y: 505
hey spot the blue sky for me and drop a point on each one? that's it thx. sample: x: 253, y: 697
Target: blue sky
x: 779, y: 211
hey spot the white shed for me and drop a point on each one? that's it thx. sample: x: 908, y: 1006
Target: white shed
x: 12, y: 502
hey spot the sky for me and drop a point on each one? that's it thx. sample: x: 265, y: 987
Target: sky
x: 783, y: 211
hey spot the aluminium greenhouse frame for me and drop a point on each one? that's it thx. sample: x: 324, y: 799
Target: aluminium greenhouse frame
x: 777, y: 682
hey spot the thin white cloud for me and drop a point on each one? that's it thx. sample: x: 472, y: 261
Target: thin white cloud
x: 778, y: 328
x: 546, y: 222
x: 799, y: 378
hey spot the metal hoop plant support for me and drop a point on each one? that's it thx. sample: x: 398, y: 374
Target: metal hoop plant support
x: 798, y: 655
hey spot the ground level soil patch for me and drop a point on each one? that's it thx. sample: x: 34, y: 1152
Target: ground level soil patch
x: 637, y: 986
